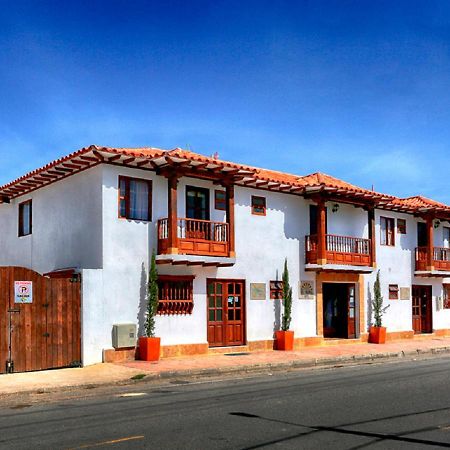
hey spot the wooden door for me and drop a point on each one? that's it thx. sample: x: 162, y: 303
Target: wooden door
x: 42, y: 334
x: 226, y: 312
x: 422, y: 309
x: 351, y: 312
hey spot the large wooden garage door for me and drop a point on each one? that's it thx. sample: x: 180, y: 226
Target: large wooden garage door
x: 42, y: 331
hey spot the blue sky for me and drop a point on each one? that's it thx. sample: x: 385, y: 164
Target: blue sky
x: 359, y: 90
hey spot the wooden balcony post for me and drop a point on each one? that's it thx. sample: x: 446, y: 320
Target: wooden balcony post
x: 372, y: 234
x: 230, y: 218
x: 321, y: 232
x: 430, y: 243
x: 172, y: 210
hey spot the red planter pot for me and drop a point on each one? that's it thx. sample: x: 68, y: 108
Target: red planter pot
x: 285, y: 340
x: 149, y: 348
x: 377, y: 335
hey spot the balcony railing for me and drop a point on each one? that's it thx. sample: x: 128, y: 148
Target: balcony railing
x: 340, y: 250
x: 441, y: 258
x: 196, y: 237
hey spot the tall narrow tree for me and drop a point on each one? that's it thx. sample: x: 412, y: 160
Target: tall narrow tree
x: 152, y: 298
x: 377, y: 303
x: 287, y: 299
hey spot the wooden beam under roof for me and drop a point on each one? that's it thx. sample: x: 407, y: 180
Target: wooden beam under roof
x: 98, y: 155
x: 88, y: 158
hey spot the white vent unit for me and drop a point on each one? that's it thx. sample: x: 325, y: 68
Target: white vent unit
x: 124, y: 335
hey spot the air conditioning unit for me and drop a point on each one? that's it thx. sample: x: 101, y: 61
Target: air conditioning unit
x: 124, y: 335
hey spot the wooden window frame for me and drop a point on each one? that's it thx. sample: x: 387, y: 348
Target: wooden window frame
x: 444, y: 230
x: 392, y: 221
x: 206, y: 192
x: 169, y: 301
x: 220, y: 204
x: 21, y: 232
x: 401, y: 229
x: 126, y: 198
x: 394, y: 292
x: 276, y: 289
x: 446, y: 296
x: 255, y: 213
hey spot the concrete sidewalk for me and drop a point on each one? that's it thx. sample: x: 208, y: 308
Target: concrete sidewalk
x: 217, y: 364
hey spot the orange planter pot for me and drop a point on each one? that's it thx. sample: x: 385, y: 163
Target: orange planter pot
x: 285, y: 340
x: 377, y: 335
x: 149, y: 348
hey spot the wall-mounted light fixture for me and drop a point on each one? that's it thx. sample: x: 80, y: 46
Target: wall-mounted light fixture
x: 335, y: 208
x: 437, y: 223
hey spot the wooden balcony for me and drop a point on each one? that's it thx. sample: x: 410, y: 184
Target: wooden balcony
x: 340, y: 250
x: 196, y: 237
x: 441, y: 259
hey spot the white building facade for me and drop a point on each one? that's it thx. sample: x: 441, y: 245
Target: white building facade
x: 221, y: 233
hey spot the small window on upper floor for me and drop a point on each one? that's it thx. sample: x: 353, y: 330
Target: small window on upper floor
x: 258, y: 205
x: 446, y: 231
x: 401, y: 226
x: 387, y: 231
x: 220, y: 200
x: 25, y: 218
x: 135, y: 198
x: 393, y: 292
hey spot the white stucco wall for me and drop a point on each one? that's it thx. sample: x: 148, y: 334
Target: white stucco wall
x: 76, y: 224
x: 67, y: 226
x: 262, y: 243
x: 397, y: 265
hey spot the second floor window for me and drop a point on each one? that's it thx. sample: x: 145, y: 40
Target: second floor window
x: 197, y: 203
x: 135, y: 198
x: 258, y: 205
x: 25, y: 218
x: 401, y: 226
x: 387, y: 231
x: 446, y: 237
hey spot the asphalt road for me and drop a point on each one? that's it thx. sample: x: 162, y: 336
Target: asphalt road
x: 391, y: 405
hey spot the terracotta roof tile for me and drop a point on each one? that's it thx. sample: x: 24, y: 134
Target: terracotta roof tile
x: 250, y: 176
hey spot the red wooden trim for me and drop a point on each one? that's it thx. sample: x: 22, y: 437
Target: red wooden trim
x: 127, y: 215
x: 176, y: 277
x: 254, y: 206
x: 430, y: 246
x: 388, y: 220
x: 176, y: 295
x: 372, y: 234
x: 321, y: 231
x: 230, y: 217
x: 220, y: 204
x: 63, y: 273
x: 172, y: 208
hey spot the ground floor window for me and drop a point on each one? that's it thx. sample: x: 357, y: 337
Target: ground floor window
x: 447, y: 296
x: 175, y: 295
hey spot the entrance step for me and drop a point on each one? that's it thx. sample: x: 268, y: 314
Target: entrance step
x: 427, y: 336
x: 339, y: 341
x: 234, y: 349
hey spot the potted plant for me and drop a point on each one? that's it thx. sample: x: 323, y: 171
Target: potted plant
x: 377, y: 333
x: 149, y: 345
x: 285, y: 337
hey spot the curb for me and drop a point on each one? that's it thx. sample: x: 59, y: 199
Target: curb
x: 260, y: 368
x: 295, y: 364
